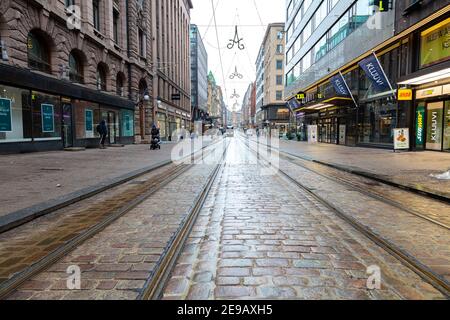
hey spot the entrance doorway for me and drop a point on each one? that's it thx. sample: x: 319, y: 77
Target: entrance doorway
x: 328, y: 130
x: 67, y: 126
x: 111, y: 121
x: 438, y: 126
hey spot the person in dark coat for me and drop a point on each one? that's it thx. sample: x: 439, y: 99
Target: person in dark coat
x: 103, y: 132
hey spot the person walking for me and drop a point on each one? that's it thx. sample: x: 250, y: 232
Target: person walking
x: 103, y: 132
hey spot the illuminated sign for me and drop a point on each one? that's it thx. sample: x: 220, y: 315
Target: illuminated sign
x: 405, y: 95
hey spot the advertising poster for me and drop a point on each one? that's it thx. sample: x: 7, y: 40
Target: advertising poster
x: 435, y: 44
x: 434, y: 126
x: 401, y: 139
x: 312, y: 134
x: 5, y: 115
x: 48, y: 118
x: 342, y: 133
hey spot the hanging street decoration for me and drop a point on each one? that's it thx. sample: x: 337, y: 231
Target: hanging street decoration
x: 236, y: 74
x: 236, y: 40
x: 234, y: 95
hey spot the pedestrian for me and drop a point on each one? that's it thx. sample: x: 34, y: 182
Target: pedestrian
x: 102, y: 130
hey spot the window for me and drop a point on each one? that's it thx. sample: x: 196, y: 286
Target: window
x: 280, y: 35
x: 69, y: 3
x: 119, y: 84
x: 279, y: 64
x: 333, y: 3
x: 101, y: 77
x: 279, y: 95
x: 96, y: 14
x: 75, y: 68
x: 38, y: 53
x: 116, y: 25
x: 142, y: 43
x: 279, y: 80
x: 279, y: 49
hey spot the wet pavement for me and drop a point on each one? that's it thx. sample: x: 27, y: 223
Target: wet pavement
x: 30, y: 179
x: 405, y: 168
x: 261, y: 237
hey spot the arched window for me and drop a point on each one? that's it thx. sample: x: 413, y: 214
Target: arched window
x: 120, y: 80
x: 75, y: 67
x: 101, y: 77
x: 38, y: 53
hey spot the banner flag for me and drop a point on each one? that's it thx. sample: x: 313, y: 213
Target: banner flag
x: 340, y: 86
x: 374, y: 71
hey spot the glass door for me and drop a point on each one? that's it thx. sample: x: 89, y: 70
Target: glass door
x: 446, y: 146
x: 112, y: 127
x: 67, y: 130
x: 434, y: 125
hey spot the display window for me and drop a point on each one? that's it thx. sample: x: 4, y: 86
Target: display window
x: 86, y: 119
x: 15, y: 115
x: 46, y: 116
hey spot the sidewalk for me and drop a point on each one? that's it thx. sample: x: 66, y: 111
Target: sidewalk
x: 31, y: 179
x: 410, y: 169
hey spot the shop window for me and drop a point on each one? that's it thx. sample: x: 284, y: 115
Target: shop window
x: 127, y: 119
x: 87, y: 117
x: 38, y: 52
x: 15, y: 114
x: 101, y: 77
x: 75, y: 67
x: 46, y: 116
x: 434, y: 44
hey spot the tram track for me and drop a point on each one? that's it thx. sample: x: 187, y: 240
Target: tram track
x: 433, y: 278
x: 98, y: 220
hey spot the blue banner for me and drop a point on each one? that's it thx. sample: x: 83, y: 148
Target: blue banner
x: 339, y: 85
x: 48, y: 118
x: 294, y: 104
x: 375, y: 73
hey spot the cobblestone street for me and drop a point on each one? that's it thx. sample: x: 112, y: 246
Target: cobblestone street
x: 261, y: 237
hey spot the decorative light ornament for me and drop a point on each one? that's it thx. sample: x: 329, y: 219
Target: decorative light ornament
x: 234, y: 95
x: 236, y: 40
x: 236, y: 74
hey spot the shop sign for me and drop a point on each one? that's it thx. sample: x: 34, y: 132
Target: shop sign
x: 401, y: 139
x: 89, y: 116
x: 420, y: 133
x: 405, y: 94
x: 446, y: 89
x: 48, y: 118
x: 374, y: 71
x: 300, y: 96
x: 435, y: 44
x: 312, y: 134
x: 5, y: 115
x: 429, y: 92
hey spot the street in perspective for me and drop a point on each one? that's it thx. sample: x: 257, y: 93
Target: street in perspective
x: 238, y: 150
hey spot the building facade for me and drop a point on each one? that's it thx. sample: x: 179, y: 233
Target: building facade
x: 171, y: 52
x: 215, y: 103
x: 271, y: 107
x: 199, y: 76
x: 66, y: 66
x: 398, y: 42
x: 249, y: 106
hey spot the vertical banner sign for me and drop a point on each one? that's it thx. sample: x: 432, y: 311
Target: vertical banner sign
x: 434, y: 126
x: 48, y: 118
x: 5, y: 115
x: 401, y: 139
x: 339, y: 85
x: 420, y: 130
x: 374, y: 71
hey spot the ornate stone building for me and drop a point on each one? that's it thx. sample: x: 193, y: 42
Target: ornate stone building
x: 65, y: 65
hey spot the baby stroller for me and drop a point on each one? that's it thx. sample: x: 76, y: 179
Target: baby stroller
x: 156, y: 139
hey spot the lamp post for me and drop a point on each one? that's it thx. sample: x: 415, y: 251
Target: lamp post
x: 141, y: 100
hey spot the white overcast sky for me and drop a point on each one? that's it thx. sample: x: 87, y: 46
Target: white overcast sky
x: 251, y: 27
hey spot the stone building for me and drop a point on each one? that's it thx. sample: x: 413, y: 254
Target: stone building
x: 68, y: 64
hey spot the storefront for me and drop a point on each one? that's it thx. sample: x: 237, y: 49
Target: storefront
x: 432, y: 121
x: 34, y: 116
x: 431, y: 89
